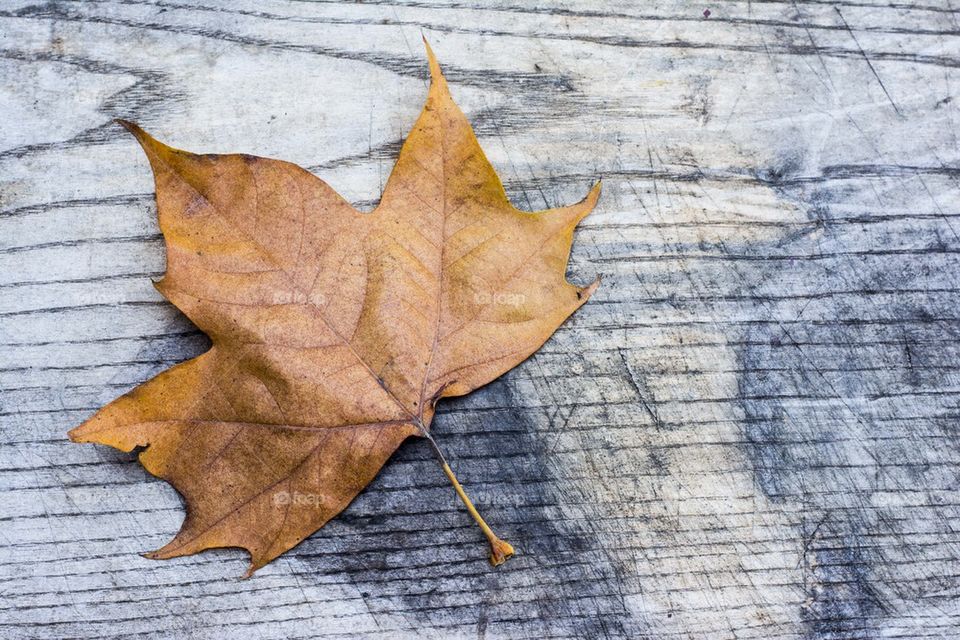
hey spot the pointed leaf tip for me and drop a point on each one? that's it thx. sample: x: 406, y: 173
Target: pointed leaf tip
x: 595, y: 190
x: 585, y: 292
x: 144, y: 138
x: 132, y: 127
x: 577, y: 212
x: 436, y: 74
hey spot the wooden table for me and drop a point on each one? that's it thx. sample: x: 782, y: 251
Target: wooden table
x: 750, y: 432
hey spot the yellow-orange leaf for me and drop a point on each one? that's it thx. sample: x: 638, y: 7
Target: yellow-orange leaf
x: 334, y: 332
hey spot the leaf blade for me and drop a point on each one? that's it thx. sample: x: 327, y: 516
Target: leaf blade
x: 334, y: 332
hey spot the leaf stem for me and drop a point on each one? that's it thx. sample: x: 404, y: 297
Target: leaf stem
x: 500, y: 550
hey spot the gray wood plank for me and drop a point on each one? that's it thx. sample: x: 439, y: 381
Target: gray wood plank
x: 750, y: 432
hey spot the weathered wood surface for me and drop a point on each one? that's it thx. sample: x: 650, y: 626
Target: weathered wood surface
x: 750, y: 432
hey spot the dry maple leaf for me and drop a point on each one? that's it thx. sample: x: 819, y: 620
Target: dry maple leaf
x: 334, y: 331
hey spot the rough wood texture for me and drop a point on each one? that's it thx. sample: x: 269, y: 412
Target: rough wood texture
x: 750, y: 432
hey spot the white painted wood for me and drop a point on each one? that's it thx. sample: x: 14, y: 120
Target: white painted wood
x: 750, y: 432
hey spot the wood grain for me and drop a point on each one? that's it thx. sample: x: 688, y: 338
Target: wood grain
x: 750, y: 432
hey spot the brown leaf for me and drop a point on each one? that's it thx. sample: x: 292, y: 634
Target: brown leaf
x: 334, y: 331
